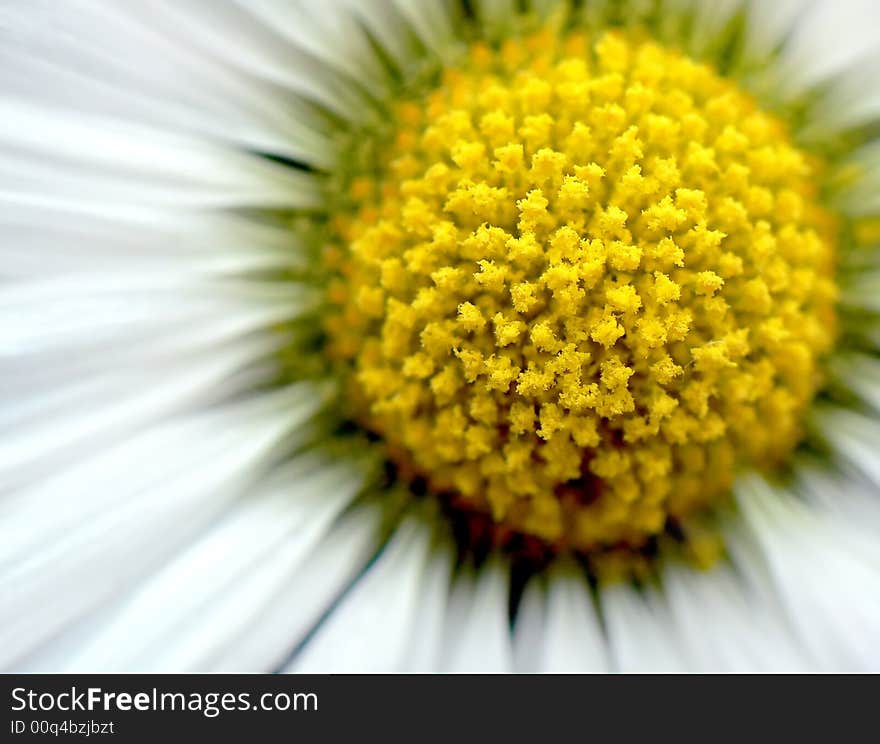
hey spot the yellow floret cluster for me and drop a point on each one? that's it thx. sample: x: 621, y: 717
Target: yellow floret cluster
x: 586, y: 283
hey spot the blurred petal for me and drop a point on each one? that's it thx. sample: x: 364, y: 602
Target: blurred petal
x: 477, y: 630
x: 97, y: 57
x: 207, y: 598
x: 370, y: 629
x: 89, y: 532
x: 826, y: 576
x: 641, y: 637
x: 559, y: 633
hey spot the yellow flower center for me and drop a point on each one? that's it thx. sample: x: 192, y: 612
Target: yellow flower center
x: 586, y: 284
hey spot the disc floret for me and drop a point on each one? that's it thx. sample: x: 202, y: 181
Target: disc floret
x: 585, y: 286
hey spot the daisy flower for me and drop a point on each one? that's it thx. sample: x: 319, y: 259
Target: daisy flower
x: 439, y: 335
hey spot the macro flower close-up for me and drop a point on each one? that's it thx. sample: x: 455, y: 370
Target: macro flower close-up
x: 440, y: 336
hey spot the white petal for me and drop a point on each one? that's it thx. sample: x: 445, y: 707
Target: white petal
x: 815, y: 51
x: 423, y: 653
x: 93, y: 57
x: 81, y: 536
x: 231, y: 37
x: 842, y: 494
x: 640, y: 634
x: 42, y: 242
x: 769, y: 24
x: 710, y: 20
x: 96, y: 166
x: 528, y: 632
x: 826, y: 576
x: 45, y: 430
x: 278, y: 627
x: 477, y: 629
x: 432, y: 23
x: 369, y: 630
x: 573, y: 641
x: 858, y: 195
x: 317, y: 27
x: 853, y: 437
x: 87, y: 358
x: 727, y: 628
x: 860, y: 374
x: 188, y: 613
x: 390, y: 27
x: 306, y: 595
x: 58, y: 312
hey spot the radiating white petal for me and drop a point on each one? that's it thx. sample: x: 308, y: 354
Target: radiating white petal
x: 557, y: 629
x: 839, y: 491
x: 57, y: 312
x: 477, y: 629
x: 826, y: 576
x: 573, y: 641
x: 829, y: 37
x: 369, y: 630
x: 529, y: 629
x: 860, y: 293
x: 640, y: 634
x: 860, y: 373
x: 205, y: 599
x: 42, y: 242
x: 82, y: 535
x: 50, y: 427
x: 306, y: 595
x: 93, y: 57
x: 769, y: 24
x: 432, y: 23
x: 850, y: 100
x: 423, y: 652
x: 231, y: 37
x: 317, y: 27
x: 389, y: 27
x: 54, y: 651
x: 102, y: 353
x: 853, y: 438
x: 726, y: 628
x: 859, y: 196
x: 709, y: 21
x: 89, y: 162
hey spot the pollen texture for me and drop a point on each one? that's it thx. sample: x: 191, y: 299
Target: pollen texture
x: 583, y: 284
